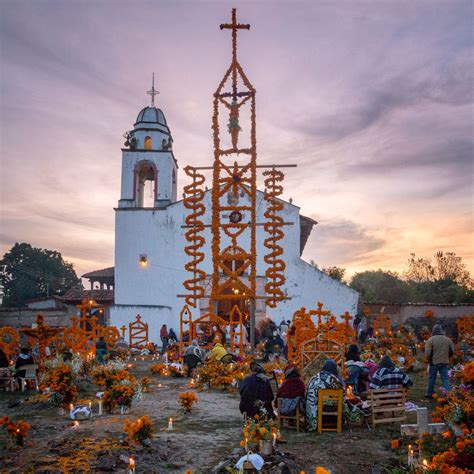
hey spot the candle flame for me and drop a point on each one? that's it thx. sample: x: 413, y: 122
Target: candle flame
x: 425, y: 463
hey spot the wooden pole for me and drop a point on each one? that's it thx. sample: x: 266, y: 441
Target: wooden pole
x: 252, y: 326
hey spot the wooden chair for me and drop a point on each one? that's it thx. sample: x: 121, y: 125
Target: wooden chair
x: 387, y: 405
x: 7, y: 381
x: 31, y: 371
x: 334, y: 397
x: 298, y: 418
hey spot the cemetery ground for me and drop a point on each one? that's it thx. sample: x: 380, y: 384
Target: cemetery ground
x: 200, y: 439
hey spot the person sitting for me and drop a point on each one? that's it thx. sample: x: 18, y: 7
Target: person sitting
x: 291, y: 389
x: 389, y: 376
x: 101, y: 350
x: 256, y: 393
x: 3, y: 360
x: 327, y: 378
x: 25, y: 358
x: 195, y: 350
x: 355, y: 369
x: 217, y: 352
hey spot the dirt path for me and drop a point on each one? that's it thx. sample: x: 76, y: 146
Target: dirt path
x: 200, y: 440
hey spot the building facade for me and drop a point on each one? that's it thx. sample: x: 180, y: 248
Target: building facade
x: 149, y: 242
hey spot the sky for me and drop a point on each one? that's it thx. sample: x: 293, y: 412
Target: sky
x: 371, y: 99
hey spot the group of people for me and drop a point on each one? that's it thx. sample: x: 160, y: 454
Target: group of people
x: 256, y: 392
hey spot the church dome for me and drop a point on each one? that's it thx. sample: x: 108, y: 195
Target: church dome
x: 151, y: 115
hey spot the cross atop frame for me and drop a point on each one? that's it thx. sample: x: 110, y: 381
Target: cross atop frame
x: 234, y: 26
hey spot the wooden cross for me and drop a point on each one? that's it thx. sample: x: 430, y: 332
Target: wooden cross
x: 43, y: 333
x: 234, y: 26
x: 123, y: 329
x: 320, y: 312
x: 347, y: 317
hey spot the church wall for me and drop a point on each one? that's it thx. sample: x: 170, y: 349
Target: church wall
x: 155, y: 316
x: 307, y: 286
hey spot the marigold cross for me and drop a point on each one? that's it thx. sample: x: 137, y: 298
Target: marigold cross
x: 234, y: 26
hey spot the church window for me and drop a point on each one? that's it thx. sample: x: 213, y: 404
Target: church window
x: 174, y: 176
x: 145, y: 184
x: 148, y: 143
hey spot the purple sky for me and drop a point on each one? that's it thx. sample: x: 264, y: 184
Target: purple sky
x: 372, y: 100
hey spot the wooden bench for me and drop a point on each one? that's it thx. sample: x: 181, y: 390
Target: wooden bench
x: 387, y: 405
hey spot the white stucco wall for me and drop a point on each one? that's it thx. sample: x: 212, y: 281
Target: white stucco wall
x: 152, y: 291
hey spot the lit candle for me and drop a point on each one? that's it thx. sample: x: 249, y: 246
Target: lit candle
x: 425, y: 465
x: 131, y: 466
x: 75, y: 425
x: 170, y: 424
x: 410, y: 455
x: 274, y: 439
x: 159, y: 385
x: 71, y: 409
x: 100, y: 407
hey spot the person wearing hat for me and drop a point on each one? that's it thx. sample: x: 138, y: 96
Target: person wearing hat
x: 256, y: 393
x: 438, y: 350
x: 292, y: 386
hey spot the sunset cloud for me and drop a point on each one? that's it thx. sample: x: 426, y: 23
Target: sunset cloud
x: 372, y: 100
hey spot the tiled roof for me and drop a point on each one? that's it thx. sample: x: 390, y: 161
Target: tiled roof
x: 104, y: 273
x: 76, y: 295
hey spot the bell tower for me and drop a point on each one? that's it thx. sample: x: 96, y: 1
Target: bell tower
x: 149, y: 168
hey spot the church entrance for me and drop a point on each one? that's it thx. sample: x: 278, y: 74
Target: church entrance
x: 224, y: 307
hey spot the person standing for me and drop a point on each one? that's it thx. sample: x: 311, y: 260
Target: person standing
x: 438, y: 350
x: 164, y: 338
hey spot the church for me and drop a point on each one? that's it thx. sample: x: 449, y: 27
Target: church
x: 149, y: 242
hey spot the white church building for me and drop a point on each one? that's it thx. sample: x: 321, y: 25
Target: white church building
x: 149, y: 242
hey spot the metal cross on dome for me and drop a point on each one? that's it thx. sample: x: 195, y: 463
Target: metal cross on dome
x: 153, y: 91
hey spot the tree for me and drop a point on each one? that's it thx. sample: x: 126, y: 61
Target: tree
x: 446, y: 266
x: 445, y: 280
x: 381, y: 287
x: 337, y: 273
x: 29, y: 272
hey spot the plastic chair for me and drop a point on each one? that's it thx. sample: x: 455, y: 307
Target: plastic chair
x: 334, y: 398
x: 30, y: 374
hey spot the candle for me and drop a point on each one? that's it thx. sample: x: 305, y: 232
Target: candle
x: 410, y: 455
x: 75, y: 425
x: 159, y: 385
x: 170, y: 424
x: 131, y: 466
x: 100, y: 407
x: 71, y: 409
x: 274, y: 439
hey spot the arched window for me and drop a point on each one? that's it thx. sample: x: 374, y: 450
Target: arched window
x: 174, y: 176
x: 145, y: 184
x: 148, y: 143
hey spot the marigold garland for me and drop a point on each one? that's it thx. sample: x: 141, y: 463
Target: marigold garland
x: 193, y: 200
x: 273, y: 227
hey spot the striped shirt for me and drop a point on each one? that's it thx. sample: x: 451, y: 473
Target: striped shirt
x: 390, y: 378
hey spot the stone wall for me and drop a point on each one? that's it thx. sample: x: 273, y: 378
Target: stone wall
x: 25, y: 317
x: 414, y: 314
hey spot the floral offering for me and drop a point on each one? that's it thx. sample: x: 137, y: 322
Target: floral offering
x: 187, y: 400
x: 140, y: 430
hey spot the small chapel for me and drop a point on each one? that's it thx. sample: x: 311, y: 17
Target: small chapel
x: 150, y: 240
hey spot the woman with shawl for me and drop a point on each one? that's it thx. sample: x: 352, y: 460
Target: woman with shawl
x: 327, y: 378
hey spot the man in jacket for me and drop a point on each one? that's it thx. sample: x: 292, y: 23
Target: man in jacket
x: 438, y: 350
